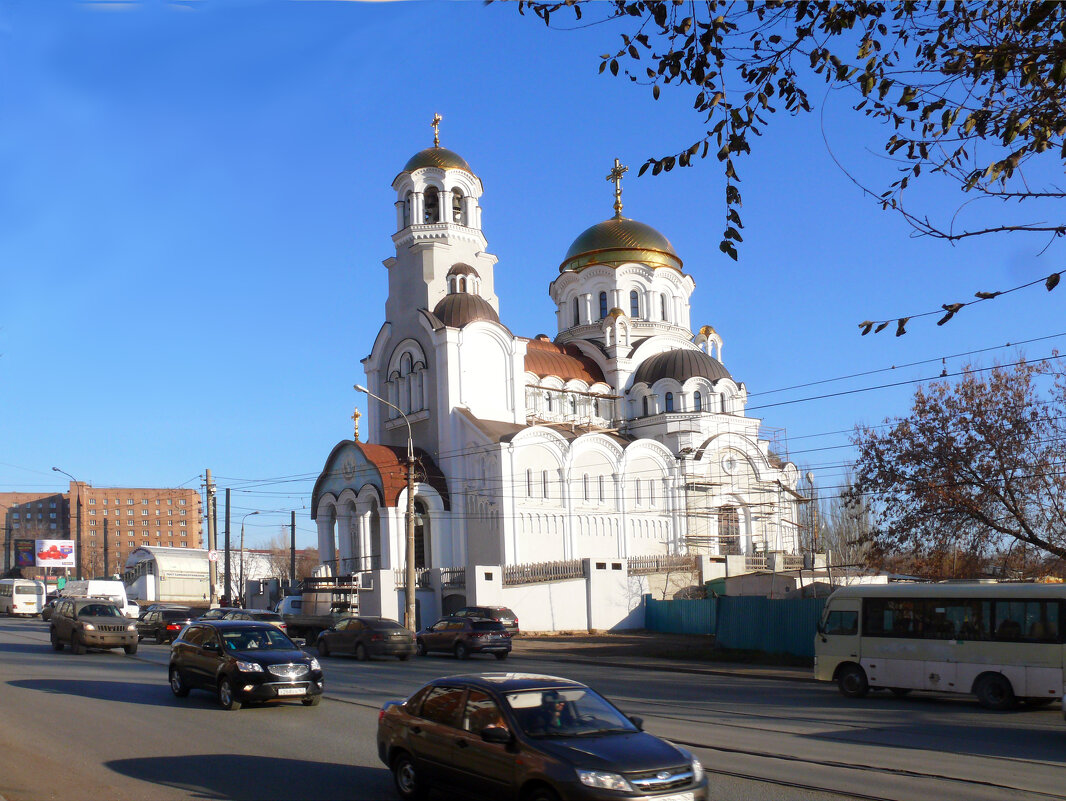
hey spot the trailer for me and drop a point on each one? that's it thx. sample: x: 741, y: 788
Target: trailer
x: 322, y: 602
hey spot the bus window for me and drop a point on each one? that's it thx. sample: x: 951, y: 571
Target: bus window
x: 887, y: 618
x: 842, y: 621
x: 1033, y: 621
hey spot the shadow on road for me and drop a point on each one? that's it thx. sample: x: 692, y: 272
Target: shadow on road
x: 256, y: 778
x: 131, y: 692
x: 24, y: 648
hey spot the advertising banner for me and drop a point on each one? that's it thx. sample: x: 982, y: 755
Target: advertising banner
x: 25, y: 554
x: 55, y: 553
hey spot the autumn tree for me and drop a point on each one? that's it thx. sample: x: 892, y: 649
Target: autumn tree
x: 279, y: 556
x: 977, y: 468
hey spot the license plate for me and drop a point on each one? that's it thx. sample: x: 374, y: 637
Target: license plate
x: 676, y: 797
x: 302, y: 691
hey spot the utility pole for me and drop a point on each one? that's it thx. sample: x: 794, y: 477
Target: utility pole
x: 292, y: 550
x: 227, y: 585
x: 107, y: 562
x: 212, y: 577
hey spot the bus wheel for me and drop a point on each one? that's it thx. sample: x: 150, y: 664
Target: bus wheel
x: 852, y: 682
x: 995, y: 692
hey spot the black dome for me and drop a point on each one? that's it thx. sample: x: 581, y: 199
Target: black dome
x: 680, y: 365
x: 462, y: 308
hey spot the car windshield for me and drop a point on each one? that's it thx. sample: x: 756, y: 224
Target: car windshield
x: 256, y: 640
x: 570, y: 712
x: 98, y: 610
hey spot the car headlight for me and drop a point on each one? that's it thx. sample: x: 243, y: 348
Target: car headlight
x: 603, y: 780
x: 88, y: 627
x: 697, y: 770
x: 315, y: 665
x: 131, y: 627
x: 249, y: 667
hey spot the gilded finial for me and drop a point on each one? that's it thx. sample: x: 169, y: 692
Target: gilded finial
x: 616, y: 176
x: 355, y: 419
x: 436, y: 129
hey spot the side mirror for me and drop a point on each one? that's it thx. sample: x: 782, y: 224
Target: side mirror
x: 299, y: 642
x: 638, y: 722
x: 496, y: 734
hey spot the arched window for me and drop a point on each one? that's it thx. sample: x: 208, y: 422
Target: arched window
x: 596, y: 407
x: 529, y: 483
x: 573, y: 406
x: 406, y: 379
x: 603, y: 305
x: 634, y: 304
x: 644, y: 404
x: 651, y: 492
x: 407, y: 208
x: 585, y: 485
x: 421, y: 535
x: 697, y: 401
x: 457, y: 205
x: 728, y: 530
x: 431, y: 199
x: 577, y: 311
x: 662, y: 307
x: 544, y: 483
x: 548, y: 400
x: 601, y: 488
x: 669, y: 401
x: 636, y: 488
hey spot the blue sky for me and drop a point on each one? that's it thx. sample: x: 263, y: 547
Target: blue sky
x: 207, y: 184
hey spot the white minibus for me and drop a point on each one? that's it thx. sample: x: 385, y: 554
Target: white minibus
x: 1001, y: 642
x: 21, y: 597
x: 114, y: 591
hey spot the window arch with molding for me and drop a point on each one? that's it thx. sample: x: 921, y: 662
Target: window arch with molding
x: 431, y: 204
x: 634, y: 304
x: 457, y: 206
x: 406, y: 386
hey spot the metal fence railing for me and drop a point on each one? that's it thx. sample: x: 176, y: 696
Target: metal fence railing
x: 792, y: 562
x: 660, y: 563
x: 542, y: 571
x: 451, y: 577
x: 755, y: 562
x: 421, y: 578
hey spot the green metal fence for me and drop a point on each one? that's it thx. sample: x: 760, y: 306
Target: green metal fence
x: 745, y: 623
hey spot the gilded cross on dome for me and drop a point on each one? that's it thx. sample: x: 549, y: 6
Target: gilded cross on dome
x: 616, y: 176
x: 355, y: 419
x: 436, y: 129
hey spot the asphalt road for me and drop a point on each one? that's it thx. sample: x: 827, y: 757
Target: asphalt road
x: 105, y: 726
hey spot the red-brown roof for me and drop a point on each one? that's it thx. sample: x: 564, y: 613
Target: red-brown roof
x: 544, y: 358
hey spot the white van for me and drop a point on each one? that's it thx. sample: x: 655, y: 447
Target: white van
x: 21, y: 597
x: 114, y: 591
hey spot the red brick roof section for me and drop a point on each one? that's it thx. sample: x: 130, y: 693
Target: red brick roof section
x: 544, y: 358
x: 391, y: 464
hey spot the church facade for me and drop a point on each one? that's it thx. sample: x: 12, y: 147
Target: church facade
x: 624, y: 435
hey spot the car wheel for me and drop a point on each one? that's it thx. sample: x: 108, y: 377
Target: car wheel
x: 323, y: 648
x: 852, y: 682
x: 995, y: 692
x: 541, y: 794
x: 360, y: 652
x: 76, y: 645
x: 405, y: 776
x: 501, y: 655
x: 461, y: 651
x: 130, y: 649
x: 177, y: 684
x: 421, y: 648
x: 314, y: 700
x: 57, y: 644
x: 160, y: 638
x: 226, y: 698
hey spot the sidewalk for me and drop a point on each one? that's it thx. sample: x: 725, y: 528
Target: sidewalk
x: 671, y: 653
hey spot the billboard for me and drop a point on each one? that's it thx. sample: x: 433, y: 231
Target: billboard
x: 55, y: 553
x: 25, y: 554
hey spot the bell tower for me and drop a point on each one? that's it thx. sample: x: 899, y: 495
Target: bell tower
x: 438, y: 221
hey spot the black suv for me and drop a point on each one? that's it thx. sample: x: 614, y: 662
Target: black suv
x: 463, y: 636
x: 163, y: 624
x: 242, y: 661
x: 535, y: 738
x: 500, y: 613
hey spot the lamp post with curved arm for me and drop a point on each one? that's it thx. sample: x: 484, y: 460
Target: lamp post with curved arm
x: 240, y: 593
x: 77, y: 538
x: 409, y: 573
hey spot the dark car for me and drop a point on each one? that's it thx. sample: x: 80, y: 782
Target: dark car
x: 49, y: 607
x: 500, y: 613
x: 240, y: 661
x: 463, y: 636
x: 366, y: 637
x: 219, y: 612
x: 259, y: 615
x: 534, y: 738
x: 163, y: 624
x: 156, y: 607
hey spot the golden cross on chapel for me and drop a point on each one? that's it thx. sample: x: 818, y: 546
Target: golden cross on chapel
x: 355, y: 419
x: 436, y: 129
x: 616, y: 176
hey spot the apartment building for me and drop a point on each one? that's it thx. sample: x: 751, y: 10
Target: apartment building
x: 126, y: 518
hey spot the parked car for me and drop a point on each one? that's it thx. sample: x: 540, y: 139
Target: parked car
x: 91, y: 623
x: 262, y: 615
x: 535, y: 738
x: 155, y: 607
x: 163, y: 624
x: 366, y: 637
x: 463, y: 636
x: 218, y: 612
x: 500, y: 613
x: 241, y: 661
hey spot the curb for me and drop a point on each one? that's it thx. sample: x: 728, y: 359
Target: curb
x: 772, y: 676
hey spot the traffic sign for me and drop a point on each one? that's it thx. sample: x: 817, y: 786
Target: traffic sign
x: 212, y: 556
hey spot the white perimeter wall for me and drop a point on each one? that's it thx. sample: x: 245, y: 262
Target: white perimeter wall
x: 548, y: 606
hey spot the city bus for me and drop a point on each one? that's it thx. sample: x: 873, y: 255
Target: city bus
x: 1001, y: 642
x: 21, y: 597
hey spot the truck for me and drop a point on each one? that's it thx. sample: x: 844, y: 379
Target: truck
x: 323, y: 601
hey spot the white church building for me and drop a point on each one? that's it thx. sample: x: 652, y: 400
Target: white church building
x: 620, y: 445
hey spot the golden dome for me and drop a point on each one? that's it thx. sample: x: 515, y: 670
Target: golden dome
x: 617, y: 240
x: 439, y: 157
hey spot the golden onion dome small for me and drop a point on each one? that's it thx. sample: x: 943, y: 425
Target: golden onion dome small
x: 439, y: 157
x: 618, y: 240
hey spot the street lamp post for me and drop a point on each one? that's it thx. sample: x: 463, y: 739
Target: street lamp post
x: 409, y: 574
x: 77, y: 538
x: 241, y: 588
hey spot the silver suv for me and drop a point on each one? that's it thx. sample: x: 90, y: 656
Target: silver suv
x: 91, y: 623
